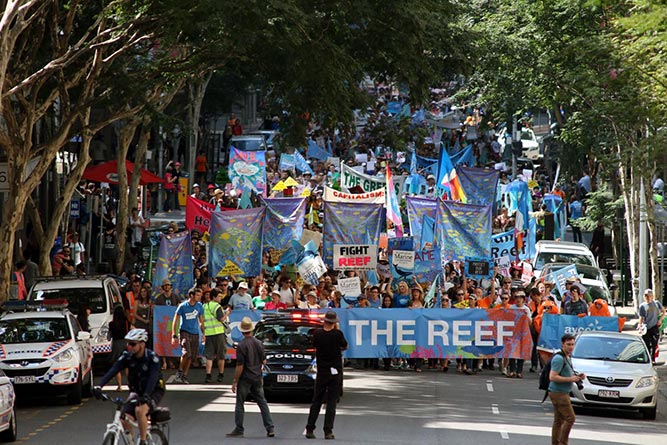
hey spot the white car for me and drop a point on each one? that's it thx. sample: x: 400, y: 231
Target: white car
x: 560, y: 252
x: 8, y: 430
x: 619, y: 373
x: 43, y: 349
x: 98, y: 292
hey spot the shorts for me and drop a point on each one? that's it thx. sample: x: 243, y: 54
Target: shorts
x: 189, y: 345
x: 216, y: 346
x: 131, y: 402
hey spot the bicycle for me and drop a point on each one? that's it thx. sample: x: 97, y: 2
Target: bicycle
x: 158, y: 426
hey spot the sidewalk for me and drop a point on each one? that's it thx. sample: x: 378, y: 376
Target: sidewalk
x: 631, y: 317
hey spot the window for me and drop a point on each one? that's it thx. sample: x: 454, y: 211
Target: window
x: 34, y: 330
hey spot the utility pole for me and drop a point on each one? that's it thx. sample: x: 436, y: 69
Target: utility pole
x: 643, y: 245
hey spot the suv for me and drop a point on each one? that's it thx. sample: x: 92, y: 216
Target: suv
x: 560, y: 252
x: 99, y: 292
x: 290, y: 355
x: 255, y: 142
x: 42, y: 347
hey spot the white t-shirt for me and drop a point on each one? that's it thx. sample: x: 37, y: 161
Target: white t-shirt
x: 287, y: 296
x: 77, y: 249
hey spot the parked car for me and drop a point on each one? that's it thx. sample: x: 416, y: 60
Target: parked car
x: 269, y: 136
x: 44, y: 350
x: 619, y: 373
x: 99, y: 292
x: 560, y: 252
x: 249, y: 142
x: 593, y: 279
x: 8, y: 428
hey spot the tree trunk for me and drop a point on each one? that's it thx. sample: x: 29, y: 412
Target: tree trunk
x: 196, y: 97
x: 126, y: 135
x: 630, y: 193
x: 139, y: 155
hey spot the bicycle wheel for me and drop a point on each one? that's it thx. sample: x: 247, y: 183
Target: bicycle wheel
x: 158, y: 437
x: 111, y: 438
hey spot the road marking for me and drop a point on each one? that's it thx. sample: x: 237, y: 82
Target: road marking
x: 504, y: 435
x: 494, y: 409
x: 489, y: 385
x: 49, y: 424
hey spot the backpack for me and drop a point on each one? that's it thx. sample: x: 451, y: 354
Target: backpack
x: 544, y: 376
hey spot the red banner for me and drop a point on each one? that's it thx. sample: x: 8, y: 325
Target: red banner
x: 197, y: 214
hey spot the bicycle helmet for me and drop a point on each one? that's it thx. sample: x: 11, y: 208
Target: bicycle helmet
x: 137, y: 335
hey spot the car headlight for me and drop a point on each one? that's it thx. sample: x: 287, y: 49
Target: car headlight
x: 65, y: 356
x: 647, y: 381
x: 265, y: 371
x: 103, y: 334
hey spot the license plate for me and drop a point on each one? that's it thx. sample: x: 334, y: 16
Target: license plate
x: 288, y: 378
x: 23, y: 379
x: 609, y: 394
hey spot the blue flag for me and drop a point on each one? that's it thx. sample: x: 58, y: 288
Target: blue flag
x: 301, y: 163
x: 174, y: 263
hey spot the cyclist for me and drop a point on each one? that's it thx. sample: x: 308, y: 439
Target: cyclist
x: 144, y: 377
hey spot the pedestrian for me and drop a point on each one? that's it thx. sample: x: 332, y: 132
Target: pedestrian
x: 329, y: 343
x: 241, y: 300
x: 118, y: 328
x: 651, y: 314
x: 216, y: 344
x: 248, y: 380
x: 188, y: 322
x: 561, y: 377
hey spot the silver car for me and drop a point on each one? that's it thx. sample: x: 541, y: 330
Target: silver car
x: 619, y: 373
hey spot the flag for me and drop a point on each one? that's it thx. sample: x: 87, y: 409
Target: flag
x: 301, y: 163
x: 415, y: 178
x: 248, y: 169
x: 317, y: 152
x: 174, y: 263
x: 236, y: 242
x: 393, y: 210
x: 448, y: 179
x: 350, y: 223
x: 283, y: 221
x: 287, y: 162
x: 480, y: 184
x: 431, y: 293
x: 244, y: 202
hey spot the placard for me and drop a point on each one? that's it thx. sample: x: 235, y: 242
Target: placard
x: 355, y: 257
x: 374, y: 197
x: 478, y: 268
x: 504, y: 263
x: 350, y: 287
x: 311, y: 235
x: 404, y: 259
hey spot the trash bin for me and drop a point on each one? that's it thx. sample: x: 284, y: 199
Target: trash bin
x: 184, y: 190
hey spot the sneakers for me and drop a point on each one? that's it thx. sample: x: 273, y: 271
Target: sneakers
x: 235, y: 433
x: 310, y: 435
x: 270, y: 433
x: 329, y: 436
x: 208, y: 379
x: 181, y: 378
x: 220, y: 377
x: 533, y: 369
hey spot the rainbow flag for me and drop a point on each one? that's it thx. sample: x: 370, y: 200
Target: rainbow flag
x: 447, y: 178
x: 393, y: 211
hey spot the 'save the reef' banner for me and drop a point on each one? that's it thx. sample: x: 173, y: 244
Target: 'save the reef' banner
x: 407, y: 333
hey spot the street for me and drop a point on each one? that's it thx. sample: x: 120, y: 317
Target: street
x: 395, y: 407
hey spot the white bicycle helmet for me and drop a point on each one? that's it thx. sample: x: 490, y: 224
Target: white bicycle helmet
x: 137, y: 335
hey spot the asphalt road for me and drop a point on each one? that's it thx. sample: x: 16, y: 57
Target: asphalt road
x: 395, y: 407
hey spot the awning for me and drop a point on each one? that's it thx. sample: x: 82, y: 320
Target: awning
x: 108, y: 172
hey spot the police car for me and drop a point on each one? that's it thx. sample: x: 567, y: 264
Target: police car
x: 8, y: 431
x: 43, y: 349
x: 290, y: 355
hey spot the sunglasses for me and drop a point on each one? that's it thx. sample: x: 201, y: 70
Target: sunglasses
x: 132, y: 344
x: 460, y: 294
x: 504, y: 298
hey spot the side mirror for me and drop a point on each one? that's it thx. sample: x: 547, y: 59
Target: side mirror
x: 83, y: 335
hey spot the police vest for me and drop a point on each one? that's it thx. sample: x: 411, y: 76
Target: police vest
x: 212, y: 326
x: 130, y: 301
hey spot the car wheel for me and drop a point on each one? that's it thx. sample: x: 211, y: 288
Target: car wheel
x: 11, y: 434
x: 650, y: 413
x: 75, y: 392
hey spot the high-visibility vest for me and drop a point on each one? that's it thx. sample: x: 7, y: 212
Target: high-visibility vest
x: 130, y: 300
x: 212, y: 326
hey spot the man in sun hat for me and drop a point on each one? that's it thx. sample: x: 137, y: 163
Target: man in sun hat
x: 329, y: 343
x: 250, y: 357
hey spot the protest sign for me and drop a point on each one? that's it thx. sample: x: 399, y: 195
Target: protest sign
x: 197, y: 214
x: 350, y: 287
x: 478, y: 268
x: 311, y: 268
x: 351, y: 178
x: 554, y: 326
x: 355, y: 256
x: 560, y: 277
x: 374, y: 197
x: 527, y: 273
x: 311, y: 235
x: 503, y: 264
x: 405, y: 259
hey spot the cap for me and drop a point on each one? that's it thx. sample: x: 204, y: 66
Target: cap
x: 430, y: 177
x: 223, y: 278
x: 210, y: 187
x: 177, y: 164
x: 570, y: 280
x: 246, y: 325
x: 311, y: 294
x: 195, y: 185
x: 331, y: 317
x: 243, y: 285
x: 166, y: 282
x: 275, y: 292
x: 648, y: 291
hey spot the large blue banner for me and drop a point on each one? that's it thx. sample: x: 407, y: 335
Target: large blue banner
x: 479, y: 184
x: 407, y: 333
x: 463, y: 230
x: 347, y: 223
x: 283, y: 221
x: 417, y: 209
x: 236, y: 242
x: 504, y: 244
x: 174, y: 263
x: 555, y: 326
x: 247, y: 170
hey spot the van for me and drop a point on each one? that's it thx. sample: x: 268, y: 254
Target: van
x: 560, y: 252
x: 99, y: 292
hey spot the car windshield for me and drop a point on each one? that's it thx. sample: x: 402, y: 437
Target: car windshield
x: 250, y: 144
x: 561, y: 257
x: 93, y: 297
x: 610, y: 349
x: 589, y: 273
x: 33, y: 330
x: 599, y: 292
x: 286, y: 335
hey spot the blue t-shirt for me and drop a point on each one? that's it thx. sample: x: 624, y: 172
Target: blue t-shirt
x: 562, y: 367
x: 651, y: 313
x: 401, y: 300
x: 575, y: 210
x: 190, y: 316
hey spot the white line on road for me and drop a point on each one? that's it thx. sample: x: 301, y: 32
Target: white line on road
x: 494, y: 409
x: 489, y: 385
x: 504, y: 435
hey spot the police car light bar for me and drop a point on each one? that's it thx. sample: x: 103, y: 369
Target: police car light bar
x: 54, y: 304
